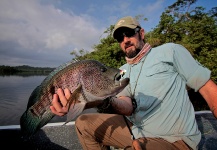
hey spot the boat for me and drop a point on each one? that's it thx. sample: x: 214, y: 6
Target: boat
x: 57, y: 136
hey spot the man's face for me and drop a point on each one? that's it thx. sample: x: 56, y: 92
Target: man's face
x: 131, y: 41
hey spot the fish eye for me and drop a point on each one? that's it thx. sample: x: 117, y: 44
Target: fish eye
x: 103, y: 69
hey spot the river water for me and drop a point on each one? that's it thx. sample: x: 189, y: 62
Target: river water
x: 14, y: 95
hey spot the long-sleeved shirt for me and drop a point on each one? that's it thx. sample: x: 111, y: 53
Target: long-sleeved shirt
x: 158, y: 83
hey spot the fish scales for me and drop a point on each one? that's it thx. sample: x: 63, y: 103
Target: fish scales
x: 87, y: 80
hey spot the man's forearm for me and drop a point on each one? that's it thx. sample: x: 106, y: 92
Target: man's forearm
x: 209, y: 93
x: 122, y: 105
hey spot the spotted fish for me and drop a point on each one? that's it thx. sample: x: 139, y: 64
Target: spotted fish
x: 87, y: 80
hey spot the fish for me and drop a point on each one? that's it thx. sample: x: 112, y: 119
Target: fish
x: 88, y: 81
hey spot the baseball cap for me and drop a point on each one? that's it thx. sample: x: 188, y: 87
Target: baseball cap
x: 128, y: 22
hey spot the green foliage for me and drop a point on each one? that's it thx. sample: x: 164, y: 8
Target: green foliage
x: 6, y: 70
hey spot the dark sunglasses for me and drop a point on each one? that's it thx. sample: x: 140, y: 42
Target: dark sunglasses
x: 127, y: 33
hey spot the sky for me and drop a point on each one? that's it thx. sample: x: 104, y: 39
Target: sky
x: 42, y: 33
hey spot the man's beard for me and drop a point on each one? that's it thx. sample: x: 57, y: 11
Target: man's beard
x: 132, y: 53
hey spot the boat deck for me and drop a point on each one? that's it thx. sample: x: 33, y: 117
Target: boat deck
x: 56, y: 136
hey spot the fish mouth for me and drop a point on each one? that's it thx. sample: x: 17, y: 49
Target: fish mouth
x: 118, y: 77
x: 120, y: 81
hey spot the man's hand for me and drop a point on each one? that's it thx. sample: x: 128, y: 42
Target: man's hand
x: 60, y: 102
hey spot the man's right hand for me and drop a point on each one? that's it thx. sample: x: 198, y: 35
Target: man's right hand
x: 60, y: 102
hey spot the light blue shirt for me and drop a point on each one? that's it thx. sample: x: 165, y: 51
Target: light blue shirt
x: 163, y: 106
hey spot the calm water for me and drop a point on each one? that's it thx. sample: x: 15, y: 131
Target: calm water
x: 14, y: 95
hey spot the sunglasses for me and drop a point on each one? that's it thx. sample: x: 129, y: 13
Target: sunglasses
x: 127, y: 33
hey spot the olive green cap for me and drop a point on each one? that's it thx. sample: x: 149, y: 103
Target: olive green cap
x: 128, y: 22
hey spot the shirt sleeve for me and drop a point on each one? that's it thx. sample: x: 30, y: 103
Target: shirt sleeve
x: 189, y: 69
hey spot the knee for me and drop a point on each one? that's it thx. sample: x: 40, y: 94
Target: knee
x: 81, y: 121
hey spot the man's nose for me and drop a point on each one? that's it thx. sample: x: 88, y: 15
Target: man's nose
x: 126, y: 39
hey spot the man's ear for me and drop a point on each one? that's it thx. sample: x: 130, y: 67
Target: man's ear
x: 142, y: 33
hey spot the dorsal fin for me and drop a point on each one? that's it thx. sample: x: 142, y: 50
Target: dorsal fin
x: 58, y: 69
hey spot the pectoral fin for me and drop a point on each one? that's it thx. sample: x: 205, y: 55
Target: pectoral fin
x: 74, y: 96
x: 77, y: 107
x: 75, y: 111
